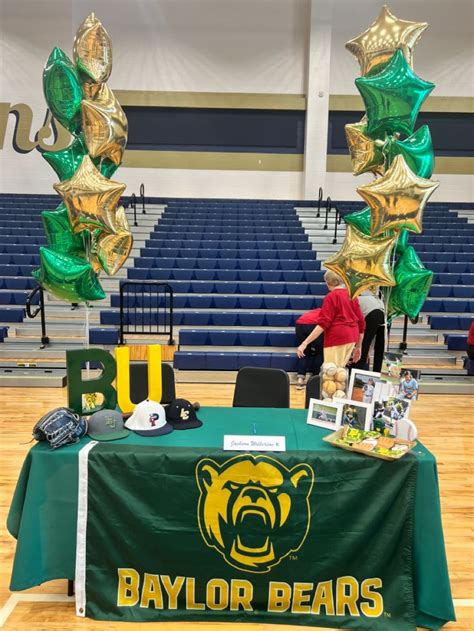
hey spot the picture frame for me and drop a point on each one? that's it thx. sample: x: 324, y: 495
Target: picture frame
x: 325, y: 414
x: 362, y: 385
x: 356, y: 413
x: 409, y: 384
x: 391, y: 367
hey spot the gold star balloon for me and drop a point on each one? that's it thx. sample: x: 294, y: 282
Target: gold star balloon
x: 379, y: 42
x: 398, y: 198
x: 363, y: 261
x: 105, y: 125
x: 93, y: 50
x: 112, y: 250
x: 91, y: 198
x: 366, y: 155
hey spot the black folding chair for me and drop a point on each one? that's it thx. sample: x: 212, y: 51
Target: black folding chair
x: 313, y: 389
x: 261, y: 388
x: 139, y: 382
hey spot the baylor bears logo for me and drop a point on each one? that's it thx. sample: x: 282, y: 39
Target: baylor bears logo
x: 253, y: 509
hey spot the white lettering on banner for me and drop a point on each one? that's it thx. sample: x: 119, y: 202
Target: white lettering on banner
x: 254, y: 443
x: 342, y: 596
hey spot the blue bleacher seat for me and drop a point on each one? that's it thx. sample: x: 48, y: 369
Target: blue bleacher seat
x: 253, y: 338
x: 456, y: 342
x: 284, y: 361
x: 194, y: 337
x: 196, y: 318
x: 225, y: 319
x: 189, y: 360
x: 222, y: 361
x: 224, y: 274
x: 455, y: 306
x: 444, y: 322
x: 245, y: 275
x: 11, y: 314
x: 204, y: 274
x: 271, y: 275
x: 103, y: 336
x: 252, y: 318
x: 282, y: 338
x: 226, y: 288
x: 226, y: 302
x: 255, y: 360
x: 279, y: 319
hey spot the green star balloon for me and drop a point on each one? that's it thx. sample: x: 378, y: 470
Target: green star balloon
x: 62, y: 90
x: 402, y: 242
x: 417, y: 151
x: 105, y: 166
x: 68, y: 277
x: 360, y: 219
x: 59, y: 232
x: 413, y: 282
x: 67, y: 161
x: 393, y: 97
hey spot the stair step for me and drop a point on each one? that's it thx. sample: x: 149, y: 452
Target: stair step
x: 32, y: 378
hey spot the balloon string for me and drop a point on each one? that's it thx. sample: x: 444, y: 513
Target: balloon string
x: 387, y: 291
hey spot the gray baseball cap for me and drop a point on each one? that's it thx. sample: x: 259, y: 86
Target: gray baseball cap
x: 106, y: 425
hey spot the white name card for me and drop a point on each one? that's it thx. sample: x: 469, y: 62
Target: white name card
x: 254, y: 443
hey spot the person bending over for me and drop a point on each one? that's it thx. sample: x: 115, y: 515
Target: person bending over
x: 342, y: 322
x: 373, y: 309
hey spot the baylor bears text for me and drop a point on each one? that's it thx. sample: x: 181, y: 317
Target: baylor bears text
x: 344, y: 596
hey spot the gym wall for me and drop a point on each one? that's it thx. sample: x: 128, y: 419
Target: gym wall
x: 222, y: 87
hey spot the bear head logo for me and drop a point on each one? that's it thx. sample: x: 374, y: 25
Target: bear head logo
x: 246, y: 501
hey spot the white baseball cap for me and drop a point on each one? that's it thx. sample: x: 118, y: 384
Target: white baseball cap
x: 149, y: 419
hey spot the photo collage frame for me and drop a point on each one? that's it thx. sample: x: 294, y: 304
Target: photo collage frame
x: 375, y: 401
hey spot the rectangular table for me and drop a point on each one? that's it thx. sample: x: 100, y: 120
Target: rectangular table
x: 43, y: 514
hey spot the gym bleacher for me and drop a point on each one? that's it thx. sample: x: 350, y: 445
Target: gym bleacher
x: 241, y: 271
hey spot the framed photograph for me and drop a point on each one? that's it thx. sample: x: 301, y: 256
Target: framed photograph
x: 403, y: 428
x: 362, y: 385
x: 324, y: 414
x: 409, y: 383
x: 356, y: 414
x: 391, y: 367
x: 395, y: 408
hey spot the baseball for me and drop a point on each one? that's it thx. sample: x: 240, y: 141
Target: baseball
x: 341, y: 374
x: 330, y: 369
x: 329, y: 387
x: 341, y: 385
x: 339, y: 394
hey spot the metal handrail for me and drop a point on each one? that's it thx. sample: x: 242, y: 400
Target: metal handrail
x: 337, y: 222
x: 40, y: 309
x: 328, y: 210
x: 320, y: 199
x: 142, y: 194
x: 141, y: 289
x: 133, y: 201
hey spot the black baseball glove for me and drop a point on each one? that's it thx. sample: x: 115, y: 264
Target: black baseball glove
x: 60, y: 427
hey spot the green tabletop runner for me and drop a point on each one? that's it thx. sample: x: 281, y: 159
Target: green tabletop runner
x: 43, y: 513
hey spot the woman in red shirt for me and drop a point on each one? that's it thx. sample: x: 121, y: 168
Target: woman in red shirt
x: 342, y: 322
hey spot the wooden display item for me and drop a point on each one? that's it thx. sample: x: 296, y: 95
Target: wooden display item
x: 331, y: 438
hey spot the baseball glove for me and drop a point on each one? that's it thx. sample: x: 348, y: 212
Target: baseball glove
x: 60, y: 427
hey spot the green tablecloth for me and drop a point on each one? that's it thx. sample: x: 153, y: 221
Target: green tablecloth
x: 43, y: 513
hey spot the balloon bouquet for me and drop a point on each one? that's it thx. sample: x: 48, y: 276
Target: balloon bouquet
x: 87, y: 233
x: 375, y: 251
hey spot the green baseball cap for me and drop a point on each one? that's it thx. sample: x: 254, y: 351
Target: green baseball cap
x: 106, y: 425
